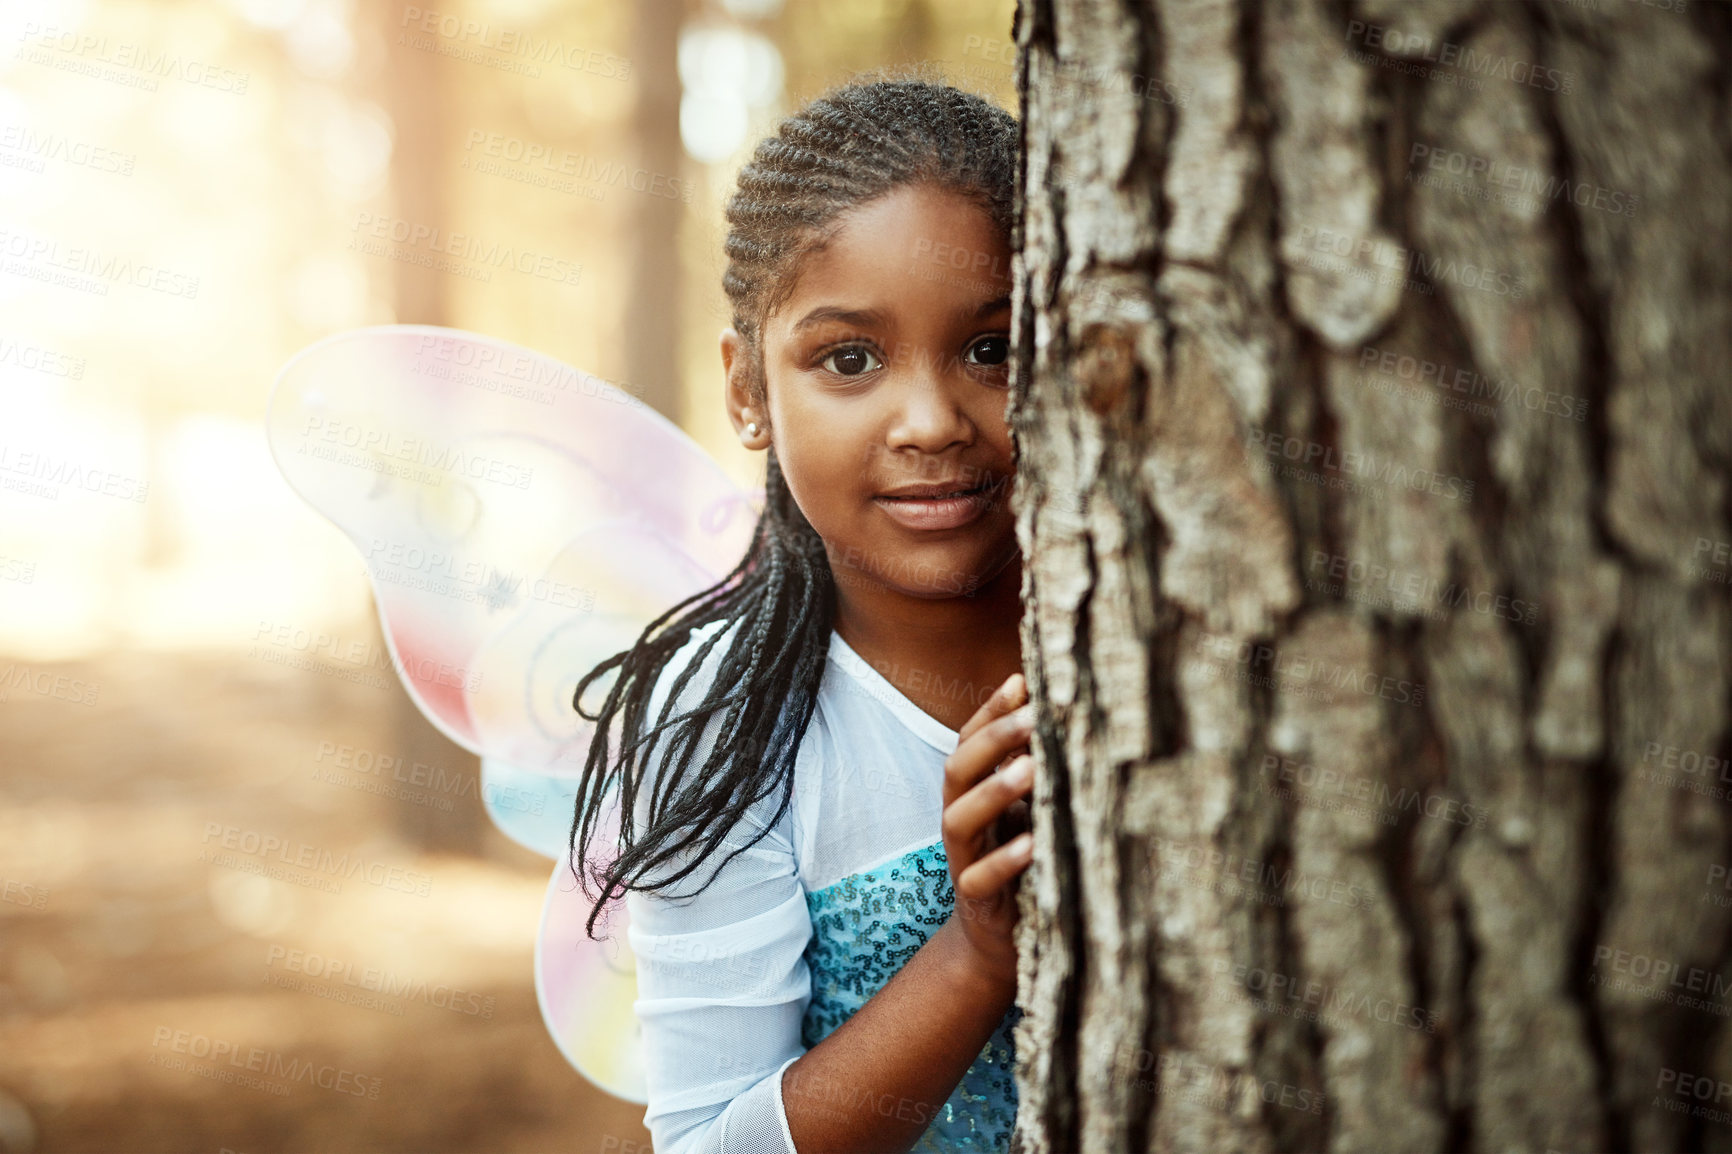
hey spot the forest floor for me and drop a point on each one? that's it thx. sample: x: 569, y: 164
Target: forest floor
x: 159, y: 992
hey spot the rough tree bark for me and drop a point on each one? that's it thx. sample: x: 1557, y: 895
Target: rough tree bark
x: 1374, y: 408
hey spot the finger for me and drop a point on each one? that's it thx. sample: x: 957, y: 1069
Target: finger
x: 1005, y: 698
x: 992, y: 748
x: 966, y: 818
x: 984, y: 750
x: 989, y: 875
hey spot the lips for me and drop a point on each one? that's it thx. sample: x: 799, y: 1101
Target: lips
x: 935, y: 507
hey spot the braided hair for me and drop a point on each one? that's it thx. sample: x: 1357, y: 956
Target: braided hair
x: 849, y: 146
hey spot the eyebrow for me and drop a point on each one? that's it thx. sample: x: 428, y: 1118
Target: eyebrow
x: 861, y: 318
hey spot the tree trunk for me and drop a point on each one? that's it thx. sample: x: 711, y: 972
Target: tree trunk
x: 419, y: 97
x: 1373, y: 417
x: 652, y: 310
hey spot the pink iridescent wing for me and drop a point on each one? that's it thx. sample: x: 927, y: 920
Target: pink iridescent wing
x: 521, y: 521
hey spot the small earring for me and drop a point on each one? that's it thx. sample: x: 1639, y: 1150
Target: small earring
x: 752, y: 429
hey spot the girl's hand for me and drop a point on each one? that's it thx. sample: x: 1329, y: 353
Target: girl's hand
x: 978, y: 806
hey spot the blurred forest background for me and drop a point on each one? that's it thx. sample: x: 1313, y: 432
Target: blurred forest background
x: 190, y: 193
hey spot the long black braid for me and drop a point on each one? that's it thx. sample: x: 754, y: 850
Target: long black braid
x: 848, y: 147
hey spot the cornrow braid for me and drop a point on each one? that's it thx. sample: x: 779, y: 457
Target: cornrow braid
x: 849, y: 146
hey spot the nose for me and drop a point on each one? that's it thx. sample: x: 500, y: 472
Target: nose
x: 928, y: 415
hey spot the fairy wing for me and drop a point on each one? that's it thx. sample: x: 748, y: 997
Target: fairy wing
x: 521, y: 521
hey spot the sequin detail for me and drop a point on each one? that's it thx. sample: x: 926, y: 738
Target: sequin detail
x: 864, y: 929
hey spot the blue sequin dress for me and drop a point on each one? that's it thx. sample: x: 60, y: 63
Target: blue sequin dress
x: 864, y: 929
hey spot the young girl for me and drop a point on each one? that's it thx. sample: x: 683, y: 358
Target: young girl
x: 828, y: 710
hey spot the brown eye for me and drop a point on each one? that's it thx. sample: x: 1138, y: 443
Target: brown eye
x: 991, y: 351
x: 851, y: 361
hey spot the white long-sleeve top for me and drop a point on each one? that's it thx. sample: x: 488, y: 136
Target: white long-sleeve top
x: 798, y: 931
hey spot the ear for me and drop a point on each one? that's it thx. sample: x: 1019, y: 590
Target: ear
x: 736, y: 365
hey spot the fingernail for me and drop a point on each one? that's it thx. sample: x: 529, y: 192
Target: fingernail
x: 1022, y: 845
x: 1025, y: 714
x: 1020, y: 772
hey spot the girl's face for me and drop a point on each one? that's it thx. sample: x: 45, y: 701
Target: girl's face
x: 887, y: 369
